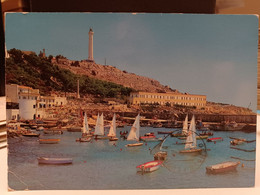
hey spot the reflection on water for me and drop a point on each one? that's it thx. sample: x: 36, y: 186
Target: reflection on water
x: 101, y: 164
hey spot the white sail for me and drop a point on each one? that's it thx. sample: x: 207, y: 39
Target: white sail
x: 112, y: 130
x: 193, y: 128
x: 85, y: 128
x: 102, y: 124
x: 191, y: 138
x: 185, y: 125
x: 134, y: 132
x: 99, y: 128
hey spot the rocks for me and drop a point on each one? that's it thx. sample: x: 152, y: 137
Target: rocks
x: 112, y: 74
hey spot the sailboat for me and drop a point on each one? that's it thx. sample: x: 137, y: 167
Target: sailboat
x: 112, y: 130
x: 134, y: 133
x: 191, y: 141
x: 184, y: 129
x: 99, y: 128
x: 86, y: 136
x: 86, y: 129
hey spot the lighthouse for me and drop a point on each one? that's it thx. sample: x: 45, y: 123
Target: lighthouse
x: 90, y: 45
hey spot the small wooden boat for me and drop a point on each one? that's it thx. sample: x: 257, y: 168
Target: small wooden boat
x: 54, y: 161
x: 197, y: 137
x: 208, y: 133
x: 153, y: 140
x: 52, y: 132
x: 113, y: 139
x: 214, y: 139
x: 237, y: 142
x: 149, y: 166
x: 182, y: 135
x: 222, y: 167
x: 30, y: 134
x: 160, y: 155
x: 164, y: 132
x: 148, y: 136
x: 135, y: 144
x: 49, y: 141
x: 84, y: 139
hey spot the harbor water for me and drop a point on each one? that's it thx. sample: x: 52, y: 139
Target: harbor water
x: 105, y: 165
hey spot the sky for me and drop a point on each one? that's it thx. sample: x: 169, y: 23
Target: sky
x: 212, y: 55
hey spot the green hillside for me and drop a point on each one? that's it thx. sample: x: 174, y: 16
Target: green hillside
x: 39, y: 73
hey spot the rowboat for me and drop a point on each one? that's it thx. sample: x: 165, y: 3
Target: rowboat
x: 135, y: 144
x: 49, y: 141
x: 148, y: 136
x: 164, y: 132
x: 214, y: 139
x: 84, y: 139
x: 54, y: 161
x: 222, y: 167
x: 161, y: 155
x: 237, y: 142
x: 113, y: 139
x: 31, y: 134
x: 52, y: 132
x: 197, y: 137
x: 149, y: 166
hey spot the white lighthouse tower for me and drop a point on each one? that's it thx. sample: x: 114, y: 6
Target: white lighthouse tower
x: 90, y: 45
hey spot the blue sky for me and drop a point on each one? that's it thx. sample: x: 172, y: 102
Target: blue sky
x: 213, y: 55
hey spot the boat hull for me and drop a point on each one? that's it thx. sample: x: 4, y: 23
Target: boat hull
x: 31, y: 135
x: 54, y: 161
x: 149, y: 166
x: 113, y: 139
x: 214, y: 139
x: 134, y: 145
x: 191, y: 151
x: 222, y: 167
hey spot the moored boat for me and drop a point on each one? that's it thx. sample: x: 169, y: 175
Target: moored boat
x: 49, y: 141
x: 191, y: 143
x: 164, y: 132
x: 148, y: 136
x: 135, y: 144
x: 149, y: 166
x: 197, y: 137
x: 54, y: 161
x: 222, y: 167
x: 134, y: 133
x: 30, y: 134
x: 214, y: 139
x: 52, y: 132
x: 112, y: 130
x: 84, y: 139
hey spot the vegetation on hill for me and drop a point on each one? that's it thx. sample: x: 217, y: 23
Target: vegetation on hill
x: 38, y: 72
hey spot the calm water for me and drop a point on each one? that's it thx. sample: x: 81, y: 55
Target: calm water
x: 101, y: 165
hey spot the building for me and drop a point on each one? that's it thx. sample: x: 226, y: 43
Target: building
x: 138, y: 98
x: 26, y: 103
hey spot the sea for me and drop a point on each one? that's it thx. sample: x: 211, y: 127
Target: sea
x: 106, y: 165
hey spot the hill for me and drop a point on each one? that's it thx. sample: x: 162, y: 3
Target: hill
x: 38, y: 72
x: 112, y: 74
